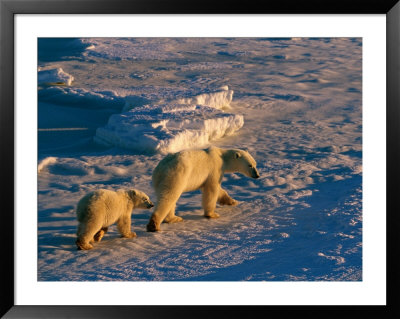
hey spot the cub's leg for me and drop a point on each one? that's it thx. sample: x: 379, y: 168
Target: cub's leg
x: 99, y: 235
x: 171, y: 217
x: 86, y: 232
x: 209, y: 201
x: 225, y: 199
x: 124, y: 226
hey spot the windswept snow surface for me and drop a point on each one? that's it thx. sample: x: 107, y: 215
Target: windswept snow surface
x: 296, y: 108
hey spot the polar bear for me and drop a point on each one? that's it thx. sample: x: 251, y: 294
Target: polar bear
x: 190, y: 170
x: 102, y: 208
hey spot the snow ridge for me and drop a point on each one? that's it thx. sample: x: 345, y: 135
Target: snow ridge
x: 183, y: 123
x: 168, y: 128
x: 54, y: 77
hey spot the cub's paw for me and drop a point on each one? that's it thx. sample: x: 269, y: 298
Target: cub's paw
x: 131, y: 235
x: 99, y: 235
x: 211, y: 215
x: 83, y: 246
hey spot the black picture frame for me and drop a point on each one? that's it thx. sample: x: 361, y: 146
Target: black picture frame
x: 9, y: 8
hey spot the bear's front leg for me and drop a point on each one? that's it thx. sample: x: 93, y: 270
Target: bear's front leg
x: 124, y: 226
x: 209, y: 201
x: 225, y: 199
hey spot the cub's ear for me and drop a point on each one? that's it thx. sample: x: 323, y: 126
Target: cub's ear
x: 132, y: 192
x: 237, y: 155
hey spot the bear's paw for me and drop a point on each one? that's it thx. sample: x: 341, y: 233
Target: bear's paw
x: 175, y: 219
x: 152, y: 227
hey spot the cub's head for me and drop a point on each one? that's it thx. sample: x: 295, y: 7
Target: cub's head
x: 242, y: 162
x: 140, y: 199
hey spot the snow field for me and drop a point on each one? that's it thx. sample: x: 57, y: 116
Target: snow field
x: 297, y: 110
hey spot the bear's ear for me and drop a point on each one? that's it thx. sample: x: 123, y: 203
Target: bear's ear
x: 237, y: 155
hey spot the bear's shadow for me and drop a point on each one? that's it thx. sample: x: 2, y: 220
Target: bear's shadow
x: 53, y: 240
x: 190, y: 215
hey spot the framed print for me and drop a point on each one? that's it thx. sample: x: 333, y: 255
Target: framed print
x: 173, y: 159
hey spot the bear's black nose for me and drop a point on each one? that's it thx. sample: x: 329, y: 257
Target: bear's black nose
x: 255, y: 174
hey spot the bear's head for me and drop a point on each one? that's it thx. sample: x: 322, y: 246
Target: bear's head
x: 242, y: 162
x: 140, y: 199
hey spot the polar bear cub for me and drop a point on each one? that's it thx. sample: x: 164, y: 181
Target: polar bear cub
x: 98, y: 210
x: 190, y: 170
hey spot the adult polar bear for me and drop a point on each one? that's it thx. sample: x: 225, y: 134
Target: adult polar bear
x: 190, y: 170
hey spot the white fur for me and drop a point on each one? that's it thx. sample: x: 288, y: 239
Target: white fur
x: 190, y: 170
x: 102, y: 208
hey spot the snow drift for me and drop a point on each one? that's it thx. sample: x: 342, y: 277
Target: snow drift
x: 185, y: 121
x: 166, y: 121
x: 217, y: 98
x: 45, y: 162
x: 54, y: 77
x: 167, y: 128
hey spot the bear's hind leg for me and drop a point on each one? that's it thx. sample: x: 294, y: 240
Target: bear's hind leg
x: 225, y: 199
x: 162, y: 209
x: 171, y: 217
x: 100, y: 234
x: 164, y: 206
